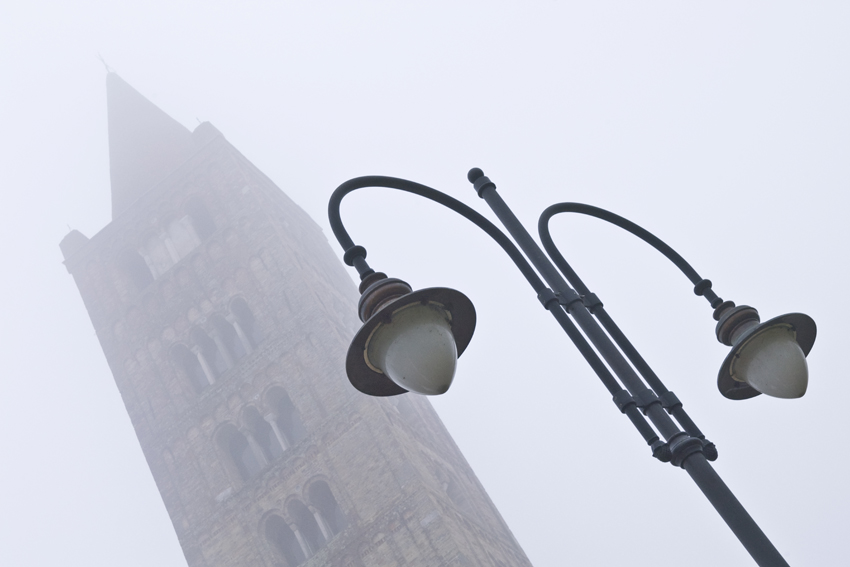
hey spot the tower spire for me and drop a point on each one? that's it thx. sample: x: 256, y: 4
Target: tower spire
x: 145, y: 144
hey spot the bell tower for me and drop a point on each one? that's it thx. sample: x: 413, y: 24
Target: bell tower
x: 225, y: 319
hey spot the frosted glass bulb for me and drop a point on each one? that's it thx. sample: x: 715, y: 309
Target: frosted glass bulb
x: 773, y: 363
x: 416, y: 350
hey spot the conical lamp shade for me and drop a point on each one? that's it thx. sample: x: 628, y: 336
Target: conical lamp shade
x: 769, y: 359
x: 773, y: 363
x: 412, y: 343
x: 416, y: 349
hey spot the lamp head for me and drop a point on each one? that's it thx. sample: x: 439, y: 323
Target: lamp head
x: 766, y: 358
x: 410, y: 340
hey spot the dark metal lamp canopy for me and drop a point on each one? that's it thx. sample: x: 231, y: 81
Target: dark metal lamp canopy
x: 766, y: 358
x: 410, y: 340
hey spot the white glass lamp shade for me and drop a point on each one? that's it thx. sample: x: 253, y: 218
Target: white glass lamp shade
x: 415, y: 349
x: 772, y: 362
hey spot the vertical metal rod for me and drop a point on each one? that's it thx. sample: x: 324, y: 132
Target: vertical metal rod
x: 608, y: 380
x: 588, y: 324
x: 645, y: 370
x: 608, y: 323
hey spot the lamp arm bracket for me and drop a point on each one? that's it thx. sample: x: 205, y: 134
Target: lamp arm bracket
x: 355, y: 255
x: 701, y: 286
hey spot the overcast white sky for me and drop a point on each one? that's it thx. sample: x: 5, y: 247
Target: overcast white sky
x: 723, y: 127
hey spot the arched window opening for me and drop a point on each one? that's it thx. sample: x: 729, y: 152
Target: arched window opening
x: 158, y: 254
x: 263, y: 433
x: 284, y: 541
x: 229, y: 338
x: 209, y: 351
x: 201, y: 218
x: 191, y: 366
x: 136, y: 269
x: 307, y: 525
x: 323, y: 500
x: 239, y: 451
x: 182, y: 235
x: 245, y: 319
x: 286, y: 417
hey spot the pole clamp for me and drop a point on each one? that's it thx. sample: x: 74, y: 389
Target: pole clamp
x: 623, y: 400
x: 661, y: 451
x: 568, y: 300
x: 591, y: 301
x: 669, y: 401
x: 548, y: 298
x: 645, y: 399
x: 709, y: 449
x: 683, y: 446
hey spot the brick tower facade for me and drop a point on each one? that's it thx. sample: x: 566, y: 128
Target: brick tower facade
x: 225, y: 318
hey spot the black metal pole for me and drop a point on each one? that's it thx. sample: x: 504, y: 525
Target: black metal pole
x: 574, y: 305
x: 732, y: 511
x: 686, y: 451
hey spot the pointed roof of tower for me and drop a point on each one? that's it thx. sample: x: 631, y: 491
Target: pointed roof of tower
x: 145, y: 144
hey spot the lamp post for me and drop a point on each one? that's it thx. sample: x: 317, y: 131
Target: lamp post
x: 410, y: 340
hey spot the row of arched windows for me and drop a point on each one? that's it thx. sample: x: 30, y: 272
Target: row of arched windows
x: 304, y: 529
x: 207, y: 357
x: 161, y: 250
x: 261, y: 439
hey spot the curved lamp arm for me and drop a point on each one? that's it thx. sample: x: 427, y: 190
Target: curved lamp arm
x: 356, y: 255
x: 701, y: 286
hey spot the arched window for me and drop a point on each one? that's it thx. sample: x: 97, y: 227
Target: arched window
x: 323, y: 500
x: 182, y: 235
x: 263, y: 434
x: 191, y: 366
x: 209, y: 351
x: 201, y: 218
x: 307, y: 525
x: 245, y: 319
x: 136, y: 269
x: 158, y: 255
x: 284, y: 541
x: 285, y: 415
x: 229, y: 338
x: 237, y: 448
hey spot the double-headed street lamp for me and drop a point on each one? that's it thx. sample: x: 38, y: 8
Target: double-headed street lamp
x: 410, y: 340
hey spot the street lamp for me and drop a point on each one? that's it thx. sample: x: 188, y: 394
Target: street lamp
x: 410, y: 340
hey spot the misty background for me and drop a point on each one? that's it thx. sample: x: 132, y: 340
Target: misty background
x: 721, y: 127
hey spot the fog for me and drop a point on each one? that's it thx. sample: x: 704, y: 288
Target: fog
x: 723, y: 128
